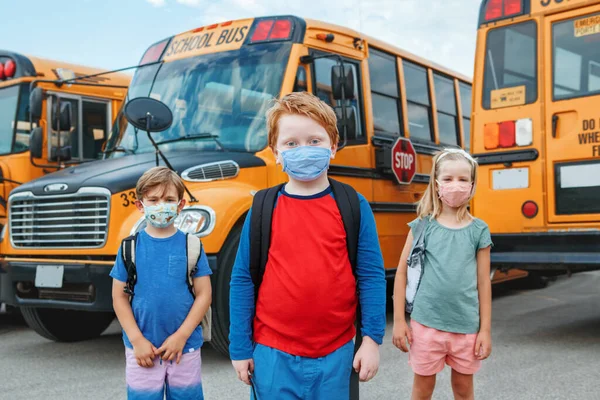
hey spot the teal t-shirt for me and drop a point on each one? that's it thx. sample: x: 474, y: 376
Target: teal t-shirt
x: 447, y: 298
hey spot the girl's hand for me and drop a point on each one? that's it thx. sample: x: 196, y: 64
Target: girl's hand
x: 172, y: 348
x: 144, y: 352
x: 483, y: 345
x: 401, y: 333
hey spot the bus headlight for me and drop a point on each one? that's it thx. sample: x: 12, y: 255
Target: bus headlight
x: 197, y: 220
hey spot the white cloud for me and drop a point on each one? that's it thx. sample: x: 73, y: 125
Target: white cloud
x: 443, y: 31
x: 157, y: 3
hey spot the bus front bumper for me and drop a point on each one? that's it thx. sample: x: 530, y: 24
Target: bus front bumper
x: 85, y: 286
x: 547, y: 251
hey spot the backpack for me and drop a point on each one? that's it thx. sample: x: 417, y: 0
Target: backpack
x: 416, y: 261
x: 261, y: 217
x: 193, y: 251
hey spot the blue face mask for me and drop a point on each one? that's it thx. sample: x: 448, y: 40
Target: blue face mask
x: 306, y: 163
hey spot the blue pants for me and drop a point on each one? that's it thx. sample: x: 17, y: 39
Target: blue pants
x: 282, y: 376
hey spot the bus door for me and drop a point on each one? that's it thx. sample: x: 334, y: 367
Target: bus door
x: 572, y: 57
x: 91, y: 119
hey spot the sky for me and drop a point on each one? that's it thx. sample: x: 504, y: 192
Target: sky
x: 114, y: 34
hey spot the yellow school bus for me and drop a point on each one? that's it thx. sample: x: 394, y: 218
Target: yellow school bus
x: 536, y: 124
x: 219, y: 81
x: 87, y: 108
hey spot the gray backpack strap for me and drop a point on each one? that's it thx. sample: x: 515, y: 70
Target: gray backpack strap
x: 194, y: 252
x: 419, y: 232
x: 415, y: 261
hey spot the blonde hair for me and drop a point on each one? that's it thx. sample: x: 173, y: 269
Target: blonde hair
x: 305, y: 104
x: 159, y: 177
x: 431, y: 204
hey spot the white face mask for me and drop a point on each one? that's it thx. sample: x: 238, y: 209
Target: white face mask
x: 161, y: 215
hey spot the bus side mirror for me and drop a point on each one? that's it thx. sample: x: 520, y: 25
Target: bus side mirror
x: 349, y: 122
x: 63, y: 120
x: 345, y: 82
x: 36, y: 99
x: 36, y: 142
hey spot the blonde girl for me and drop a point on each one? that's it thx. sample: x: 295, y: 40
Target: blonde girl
x: 451, y: 319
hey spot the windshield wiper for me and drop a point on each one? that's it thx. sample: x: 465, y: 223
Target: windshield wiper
x: 119, y: 149
x: 196, y: 136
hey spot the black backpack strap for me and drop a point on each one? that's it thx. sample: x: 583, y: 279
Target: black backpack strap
x: 348, y: 203
x: 128, y: 247
x: 260, y: 233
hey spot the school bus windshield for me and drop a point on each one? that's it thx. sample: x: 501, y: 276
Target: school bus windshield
x: 224, y: 94
x: 13, y: 114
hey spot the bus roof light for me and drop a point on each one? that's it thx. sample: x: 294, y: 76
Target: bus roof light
x: 261, y: 32
x: 281, y: 30
x: 507, y: 134
x: 491, y: 133
x: 524, y: 135
x: 10, y: 68
x: 154, y: 52
x: 213, y: 26
x: 513, y: 7
x: 529, y: 209
x: 493, y: 10
x: 1, y: 71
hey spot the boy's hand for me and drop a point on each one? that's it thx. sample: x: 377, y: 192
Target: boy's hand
x: 244, y: 368
x: 172, y: 348
x: 144, y: 352
x: 483, y: 345
x: 366, y: 361
x: 402, y: 334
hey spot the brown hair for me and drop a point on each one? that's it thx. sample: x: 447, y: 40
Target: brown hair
x: 430, y: 204
x: 159, y: 177
x: 306, y: 104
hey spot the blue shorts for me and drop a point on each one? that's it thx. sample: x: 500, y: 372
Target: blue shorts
x: 282, y: 376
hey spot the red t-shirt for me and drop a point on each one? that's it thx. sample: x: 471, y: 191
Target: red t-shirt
x: 307, y: 300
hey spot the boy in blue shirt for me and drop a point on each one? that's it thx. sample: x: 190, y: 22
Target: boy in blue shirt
x: 161, y: 323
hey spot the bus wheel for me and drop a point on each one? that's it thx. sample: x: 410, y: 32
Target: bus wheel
x: 220, y: 304
x: 66, y: 325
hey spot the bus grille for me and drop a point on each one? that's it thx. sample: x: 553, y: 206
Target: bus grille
x: 78, y: 220
x: 212, y: 171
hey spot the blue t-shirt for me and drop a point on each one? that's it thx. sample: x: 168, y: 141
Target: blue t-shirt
x: 162, y: 299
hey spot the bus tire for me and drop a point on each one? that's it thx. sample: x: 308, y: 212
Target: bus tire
x: 220, y: 304
x: 66, y: 325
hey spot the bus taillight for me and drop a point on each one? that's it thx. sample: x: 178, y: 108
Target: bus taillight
x: 529, y: 209
x: 271, y: 29
x: 498, y: 9
x: 508, y: 134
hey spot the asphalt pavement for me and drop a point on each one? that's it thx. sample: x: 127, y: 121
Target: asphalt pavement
x: 546, y: 346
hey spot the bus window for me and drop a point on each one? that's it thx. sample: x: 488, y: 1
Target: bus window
x: 419, y: 106
x: 384, y: 93
x: 465, y: 105
x: 323, y: 89
x: 445, y: 99
x: 8, y: 109
x: 95, y: 117
x: 576, y: 59
x: 510, y: 61
x: 23, y: 130
x: 300, y: 82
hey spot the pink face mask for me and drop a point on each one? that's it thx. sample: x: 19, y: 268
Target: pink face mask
x: 455, y: 194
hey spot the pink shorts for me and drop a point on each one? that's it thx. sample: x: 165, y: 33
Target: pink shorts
x: 432, y: 349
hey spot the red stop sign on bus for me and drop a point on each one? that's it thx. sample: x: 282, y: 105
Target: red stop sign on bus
x: 404, y: 161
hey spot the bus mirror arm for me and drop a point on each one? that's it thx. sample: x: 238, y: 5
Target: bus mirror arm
x: 342, y: 82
